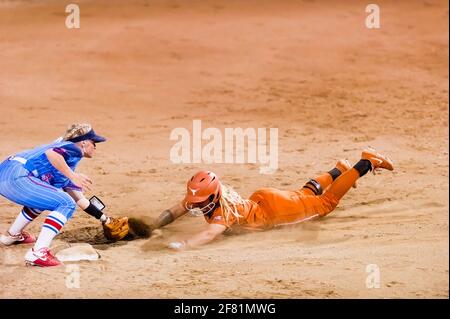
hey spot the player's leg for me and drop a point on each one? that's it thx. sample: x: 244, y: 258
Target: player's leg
x: 287, y: 207
x: 32, y: 192
x: 294, y: 209
x: 9, y: 171
x: 370, y: 160
x: 16, y: 233
x: 319, y: 184
x: 61, y: 207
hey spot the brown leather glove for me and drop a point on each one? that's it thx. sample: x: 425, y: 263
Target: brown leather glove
x: 116, y: 229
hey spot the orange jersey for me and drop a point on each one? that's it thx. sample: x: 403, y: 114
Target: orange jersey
x: 269, y: 207
x: 251, y: 216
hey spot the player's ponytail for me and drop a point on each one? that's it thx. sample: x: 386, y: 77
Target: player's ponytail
x: 229, y: 202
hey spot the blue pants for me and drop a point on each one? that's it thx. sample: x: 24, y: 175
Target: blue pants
x: 19, y: 186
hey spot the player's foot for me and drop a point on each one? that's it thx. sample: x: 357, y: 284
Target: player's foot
x: 42, y: 258
x: 377, y: 160
x: 23, y: 238
x: 343, y: 165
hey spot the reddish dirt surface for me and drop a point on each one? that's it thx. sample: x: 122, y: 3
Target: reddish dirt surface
x: 309, y: 68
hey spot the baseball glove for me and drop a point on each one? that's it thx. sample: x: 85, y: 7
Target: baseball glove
x: 116, y: 229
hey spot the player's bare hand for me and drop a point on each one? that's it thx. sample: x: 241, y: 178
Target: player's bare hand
x: 82, y: 181
x: 177, y: 245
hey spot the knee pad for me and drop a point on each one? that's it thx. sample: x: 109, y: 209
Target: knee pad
x: 314, y: 186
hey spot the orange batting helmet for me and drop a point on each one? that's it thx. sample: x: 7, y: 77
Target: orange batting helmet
x: 203, y: 192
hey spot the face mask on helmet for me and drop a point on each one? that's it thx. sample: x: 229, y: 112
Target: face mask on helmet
x: 201, y: 209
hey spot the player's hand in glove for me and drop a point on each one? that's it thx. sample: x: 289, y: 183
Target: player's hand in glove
x: 116, y: 228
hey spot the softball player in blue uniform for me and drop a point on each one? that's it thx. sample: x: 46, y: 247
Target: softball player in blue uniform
x: 42, y: 179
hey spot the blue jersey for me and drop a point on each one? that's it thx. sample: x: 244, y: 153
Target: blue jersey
x: 39, y: 165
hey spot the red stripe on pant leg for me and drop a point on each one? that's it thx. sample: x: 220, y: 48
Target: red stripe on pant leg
x: 53, y: 223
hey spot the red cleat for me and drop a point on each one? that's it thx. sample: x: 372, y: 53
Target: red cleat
x: 42, y: 258
x: 23, y: 238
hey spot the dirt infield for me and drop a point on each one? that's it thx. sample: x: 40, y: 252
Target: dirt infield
x: 138, y: 69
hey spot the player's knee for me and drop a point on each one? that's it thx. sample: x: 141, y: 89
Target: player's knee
x: 314, y: 186
x: 329, y: 203
x: 67, y: 207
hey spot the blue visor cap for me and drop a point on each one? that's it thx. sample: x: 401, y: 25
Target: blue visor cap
x: 91, y: 135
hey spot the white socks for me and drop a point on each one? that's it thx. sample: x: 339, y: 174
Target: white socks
x: 26, y: 216
x: 52, y: 226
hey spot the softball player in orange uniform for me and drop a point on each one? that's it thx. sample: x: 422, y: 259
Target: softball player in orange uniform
x: 266, y: 208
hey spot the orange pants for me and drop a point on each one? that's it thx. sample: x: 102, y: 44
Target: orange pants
x: 288, y: 207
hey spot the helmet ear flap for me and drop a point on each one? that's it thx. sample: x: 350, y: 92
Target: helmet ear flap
x: 214, y: 198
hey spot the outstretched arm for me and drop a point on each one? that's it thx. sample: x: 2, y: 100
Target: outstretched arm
x: 169, y: 215
x: 86, y: 205
x: 57, y: 160
x: 202, y: 238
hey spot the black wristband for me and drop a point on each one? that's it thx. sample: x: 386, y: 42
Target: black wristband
x: 93, y: 211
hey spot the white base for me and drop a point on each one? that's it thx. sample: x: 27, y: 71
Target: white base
x: 77, y: 253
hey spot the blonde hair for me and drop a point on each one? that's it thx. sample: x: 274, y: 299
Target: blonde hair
x: 76, y: 130
x: 229, y: 200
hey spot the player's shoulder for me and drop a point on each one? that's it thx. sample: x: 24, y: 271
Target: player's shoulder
x: 58, y: 143
x: 67, y: 146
